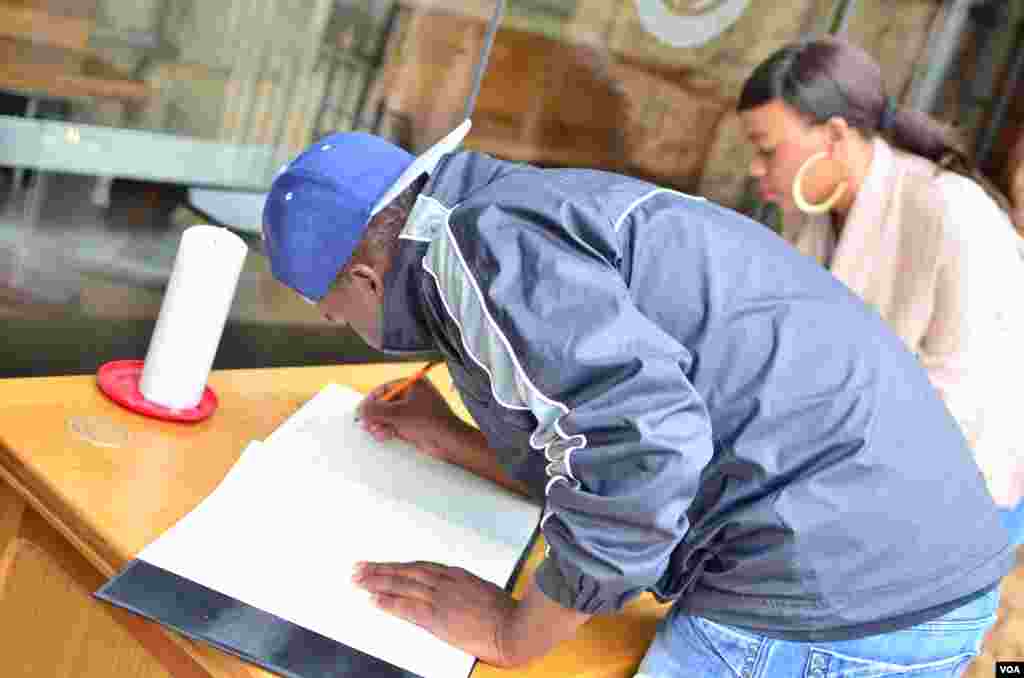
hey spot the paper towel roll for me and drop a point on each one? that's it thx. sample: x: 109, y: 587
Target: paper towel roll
x: 192, y: 316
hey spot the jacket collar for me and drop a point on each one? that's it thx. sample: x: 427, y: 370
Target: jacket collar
x: 404, y: 329
x: 404, y: 326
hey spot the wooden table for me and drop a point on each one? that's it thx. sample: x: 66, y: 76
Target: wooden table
x: 73, y: 512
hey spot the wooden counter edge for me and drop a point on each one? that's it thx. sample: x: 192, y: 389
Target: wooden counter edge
x: 171, y: 648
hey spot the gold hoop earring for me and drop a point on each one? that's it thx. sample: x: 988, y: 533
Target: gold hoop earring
x: 798, y: 189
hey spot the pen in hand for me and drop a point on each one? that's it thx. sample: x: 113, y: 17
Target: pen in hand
x: 401, y: 387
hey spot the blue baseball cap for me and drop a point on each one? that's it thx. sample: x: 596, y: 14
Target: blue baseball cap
x: 319, y: 204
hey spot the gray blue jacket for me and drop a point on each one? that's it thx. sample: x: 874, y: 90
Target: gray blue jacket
x: 707, y: 414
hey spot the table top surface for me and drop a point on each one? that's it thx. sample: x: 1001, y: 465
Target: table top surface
x: 111, y: 481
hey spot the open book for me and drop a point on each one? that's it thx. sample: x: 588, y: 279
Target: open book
x: 261, y: 568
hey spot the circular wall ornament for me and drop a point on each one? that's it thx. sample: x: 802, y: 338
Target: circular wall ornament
x: 689, y: 23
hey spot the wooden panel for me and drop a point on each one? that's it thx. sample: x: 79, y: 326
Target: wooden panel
x: 49, y: 623
x: 12, y: 508
x: 554, y: 103
x: 430, y: 83
x: 56, y: 72
x: 38, y: 26
x: 82, y: 9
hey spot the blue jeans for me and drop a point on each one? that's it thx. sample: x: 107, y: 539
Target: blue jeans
x: 695, y: 647
x: 1013, y: 521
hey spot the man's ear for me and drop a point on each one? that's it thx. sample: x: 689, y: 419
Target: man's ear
x: 367, y: 280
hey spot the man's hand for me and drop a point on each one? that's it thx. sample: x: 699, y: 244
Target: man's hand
x: 458, y: 607
x: 420, y: 417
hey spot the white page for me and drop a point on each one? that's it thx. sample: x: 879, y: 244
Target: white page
x: 284, y: 528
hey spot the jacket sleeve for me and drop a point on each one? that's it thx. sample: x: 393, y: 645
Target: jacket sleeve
x: 969, y: 346
x: 946, y: 347
x: 624, y: 433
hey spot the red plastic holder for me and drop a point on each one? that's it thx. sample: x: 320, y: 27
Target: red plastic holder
x: 119, y: 381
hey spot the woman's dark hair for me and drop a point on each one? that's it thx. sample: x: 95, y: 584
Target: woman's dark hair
x: 830, y: 77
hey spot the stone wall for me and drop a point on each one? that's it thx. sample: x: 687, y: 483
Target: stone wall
x: 591, y: 87
x: 569, y: 83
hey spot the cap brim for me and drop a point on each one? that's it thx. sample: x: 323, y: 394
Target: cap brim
x: 425, y: 163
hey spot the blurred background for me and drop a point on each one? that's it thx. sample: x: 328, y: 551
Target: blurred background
x: 123, y: 122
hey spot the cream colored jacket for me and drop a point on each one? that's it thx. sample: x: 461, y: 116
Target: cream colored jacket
x: 941, y: 263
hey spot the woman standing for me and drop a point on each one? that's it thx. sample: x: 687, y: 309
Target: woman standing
x: 898, y: 214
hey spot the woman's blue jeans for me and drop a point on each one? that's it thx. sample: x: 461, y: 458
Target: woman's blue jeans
x: 1013, y: 521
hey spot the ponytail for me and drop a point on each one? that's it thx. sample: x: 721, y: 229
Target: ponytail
x: 920, y: 134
